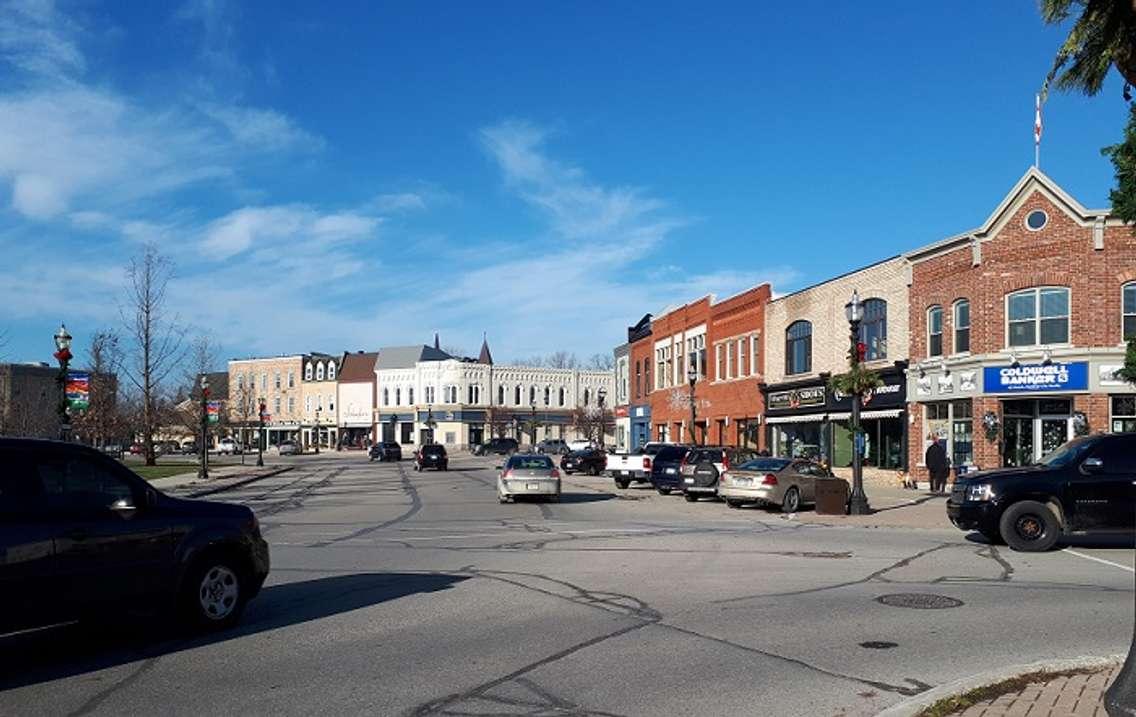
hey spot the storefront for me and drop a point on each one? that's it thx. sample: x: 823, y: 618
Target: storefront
x: 622, y: 416
x: 640, y: 426
x: 796, y: 421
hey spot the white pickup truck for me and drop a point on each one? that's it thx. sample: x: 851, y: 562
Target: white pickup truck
x: 628, y: 468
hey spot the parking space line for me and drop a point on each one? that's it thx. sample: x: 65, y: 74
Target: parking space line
x: 1099, y: 560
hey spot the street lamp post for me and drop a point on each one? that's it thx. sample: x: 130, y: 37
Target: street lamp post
x: 601, y: 396
x: 63, y: 355
x: 692, y: 377
x: 260, y: 436
x: 430, y: 423
x: 203, y: 473
x: 532, y: 423
x: 317, y: 441
x: 858, y: 501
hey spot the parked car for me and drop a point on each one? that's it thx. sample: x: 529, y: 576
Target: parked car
x: 84, y: 537
x: 112, y: 449
x: 136, y: 449
x: 784, y: 482
x: 169, y: 448
x: 431, y: 455
x: 288, y: 448
x: 1088, y: 485
x: 528, y: 475
x: 591, y: 461
x: 228, y: 446
x: 497, y: 446
x: 704, y: 465
x: 627, y: 468
x: 555, y: 446
x: 666, y: 473
x: 580, y: 445
x: 386, y: 451
x: 189, y: 448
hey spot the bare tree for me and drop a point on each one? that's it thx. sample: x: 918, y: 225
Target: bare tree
x: 561, y: 359
x: 592, y: 423
x: 103, y: 422
x: 533, y: 361
x: 242, y: 408
x: 601, y: 362
x: 499, y: 421
x: 156, y: 338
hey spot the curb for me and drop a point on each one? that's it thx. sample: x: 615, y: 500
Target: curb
x: 239, y: 483
x: 915, y: 705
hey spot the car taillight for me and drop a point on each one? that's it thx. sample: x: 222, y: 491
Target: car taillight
x: 555, y: 473
x: 508, y: 475
x: 725, y: 461
x: 724, y: 478
x: 769, y: 479
x: 646, y: 463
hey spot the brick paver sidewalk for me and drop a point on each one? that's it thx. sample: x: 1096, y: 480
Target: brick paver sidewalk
x: 1072, y: 696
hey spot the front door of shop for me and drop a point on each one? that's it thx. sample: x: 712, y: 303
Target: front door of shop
x: 1033, y: 429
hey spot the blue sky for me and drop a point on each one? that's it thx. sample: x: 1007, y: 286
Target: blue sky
x: 346, y: 176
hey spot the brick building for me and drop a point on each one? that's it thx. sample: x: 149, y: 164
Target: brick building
x: 721, y: 343
x: 1017, y: 328
x: 276, y: 382
x: 640, y: 352
x: 807, y: 341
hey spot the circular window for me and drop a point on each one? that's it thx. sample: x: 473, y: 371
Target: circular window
x: 1036, y: 220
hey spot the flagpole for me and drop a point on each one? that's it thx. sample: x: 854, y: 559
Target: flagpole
x: 1037, y: 132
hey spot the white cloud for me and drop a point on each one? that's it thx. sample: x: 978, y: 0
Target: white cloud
x: 37, y: 40
x: 248, y: 227
x: 401, y: 201
x: 261, y: 129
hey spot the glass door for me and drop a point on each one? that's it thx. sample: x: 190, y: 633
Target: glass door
x: 1017, y: 445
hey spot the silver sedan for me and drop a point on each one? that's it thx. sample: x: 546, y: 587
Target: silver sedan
x: 782, y: 482
x: 528, y: 474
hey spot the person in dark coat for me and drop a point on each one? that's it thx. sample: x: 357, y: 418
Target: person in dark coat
x: 937, y: 464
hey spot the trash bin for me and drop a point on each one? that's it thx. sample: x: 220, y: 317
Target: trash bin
x: 832, y: 496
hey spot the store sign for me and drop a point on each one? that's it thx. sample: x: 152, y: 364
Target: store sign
x: 1037, y: 377
x: 892, y: 394
x: 797, y: 398
x: 621, y: 411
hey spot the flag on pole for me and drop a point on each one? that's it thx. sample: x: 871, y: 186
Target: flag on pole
x: 1037, y: 123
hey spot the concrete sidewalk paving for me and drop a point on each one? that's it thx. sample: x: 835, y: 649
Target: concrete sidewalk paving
x: 220, y: 479
x: 892, y: 508
x: 1078, y: 695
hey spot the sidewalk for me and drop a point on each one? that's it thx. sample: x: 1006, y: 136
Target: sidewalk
x: 1077, y: 695
x: 892, y: 508
x: 221, y: 478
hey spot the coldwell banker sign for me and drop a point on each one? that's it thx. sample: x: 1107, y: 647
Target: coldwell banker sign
x: 1037, y: 377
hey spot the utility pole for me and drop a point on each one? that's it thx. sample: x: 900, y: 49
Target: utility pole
x: 203, y: 472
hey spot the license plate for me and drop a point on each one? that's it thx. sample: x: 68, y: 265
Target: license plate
x: 533, y: 486
x: 743, y: 481
x: 688, y: 480
x: 625, y: 473
x: 670, y: 471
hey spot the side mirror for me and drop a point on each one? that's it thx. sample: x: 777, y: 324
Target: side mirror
x: 124, y: 508
x: 1092, y: 465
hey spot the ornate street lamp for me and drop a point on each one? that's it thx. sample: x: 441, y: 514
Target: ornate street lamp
x: 203, y: 473
x: 260, y: 437
x: 858, y: 501
x: 692, y: 378
x: 601, y: 396
x: 318, y: 439
x: 63, y: 356
x: 532, y: 423
x: 430, y: 424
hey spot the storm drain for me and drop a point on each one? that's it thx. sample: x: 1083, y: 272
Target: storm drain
x: 920, y: 601
x: 879, y: 645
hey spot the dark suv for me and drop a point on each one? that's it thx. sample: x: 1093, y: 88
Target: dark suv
x: 703, y: 466
x: 386, y: 451
x: 497, y: 446
x: 666, y: 474
x: 431, y: 455
x: 590, y: 461
x: 82, y: 536
x: 1086, y: 485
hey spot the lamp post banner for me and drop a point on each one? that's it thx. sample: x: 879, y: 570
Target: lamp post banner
x: 213, y: 412
x: 78, y: 390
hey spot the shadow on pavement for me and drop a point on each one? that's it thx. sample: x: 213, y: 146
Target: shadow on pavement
x: 66, y: 652
x: 1104, y: 541
x: 585, y: 497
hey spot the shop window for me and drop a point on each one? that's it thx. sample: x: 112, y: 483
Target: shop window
x: 962, y: 433
x: 1037, y: 317
x: 1124, y: 414
x: 874, y: 329
x: 799, y: 348
x: 962, y: 326
x: 1128, y: 297
x: 935, y: 331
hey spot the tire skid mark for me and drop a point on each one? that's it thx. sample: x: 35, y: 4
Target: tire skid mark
x: 415, y: 506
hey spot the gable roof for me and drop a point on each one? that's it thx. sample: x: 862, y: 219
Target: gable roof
x: 357, y: 367
x: 407, y: 356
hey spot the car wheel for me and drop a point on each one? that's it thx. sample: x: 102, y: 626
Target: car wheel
x: 664, y: 491
x: 502, y: 499
x: 214, y: 593
x: 690, y: 497
x: 1029, y: 526
x: 791, y: 502
x: 622, y: 482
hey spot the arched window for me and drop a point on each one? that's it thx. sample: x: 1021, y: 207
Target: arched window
x: 1036, y: 317
x: 319, y: 371
x: 935, y: 331
x: 962, y: 326
x: 799, y: 348
x: 410, y: 395
x: 587, y: 396
x: 547, y: 395
x: 517, y: 395
x: 874, y: 329
x: 331, y: 371
x: 398, y: 397
x: 532, y: 395
x: 500, y: 395
x: 307, y: 372
x: 386, y: 396
x: 561, y: 395
x: 1128, y: 296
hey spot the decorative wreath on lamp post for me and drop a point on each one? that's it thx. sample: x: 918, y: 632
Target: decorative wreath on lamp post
x: 1080, y: 424
x: 990, y: 425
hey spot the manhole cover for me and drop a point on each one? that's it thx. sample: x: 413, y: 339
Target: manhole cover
x: 920, y: 601
x: 879, y: 645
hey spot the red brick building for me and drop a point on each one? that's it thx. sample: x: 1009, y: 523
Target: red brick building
x: 1017, y: 328
x: 722, y: 343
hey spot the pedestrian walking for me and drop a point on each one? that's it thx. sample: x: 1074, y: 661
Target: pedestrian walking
x: 937, y: 464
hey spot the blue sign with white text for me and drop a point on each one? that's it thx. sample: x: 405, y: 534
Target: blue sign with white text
x: 1036, y: 377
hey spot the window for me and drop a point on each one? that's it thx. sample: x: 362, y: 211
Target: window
x: 500, y: 395
x: 719, y: 363
x: 1036, y: 220
x: 475, y: 394
x: 696, y: 354
x: 276, y: 380
x: 638, y: 380
x: 308, y: 404
x: 386, y: 396
x: 319, y: 371
x: 276, y: 405
x: 753, y: 356
x: 291, y: 379
x: 935, y: 331
x: 532, y: 395
x: 240, y: 381
x: 739, y: 368
x: 962, y: 326
x: 450, y: 394
x: 561, y: 396
x: 410, y: 396
x: 1124, y: 414
x: 547, y: 395
x: 330, y: 402
x: 874, y: 329
x: 799, y: 347
x: 291, y: 404
x: 587, y: 396
x: 398, y: 397
x: 1128, y: 294
x: 263, y: 380
x: 429, y: 394
x: 678, y: 375
x: 331, y: 371
x: 517, y: 395
x: 1117, y: 456
x: 307, y: 372
x: 76, y: 484
x: 1037, y: 317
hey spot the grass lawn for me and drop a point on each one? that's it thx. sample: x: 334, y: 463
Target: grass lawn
x: 162, y: 469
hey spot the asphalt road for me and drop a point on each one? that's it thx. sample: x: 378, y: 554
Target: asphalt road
x: 400, y: 593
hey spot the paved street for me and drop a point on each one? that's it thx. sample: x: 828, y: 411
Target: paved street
x: 395, y: 592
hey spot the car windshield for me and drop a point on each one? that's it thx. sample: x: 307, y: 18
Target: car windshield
x: 705, y: 455
x: 764, y: 464
x: 531, y: 462
x: 1067, y: 454
x: 433, y: 451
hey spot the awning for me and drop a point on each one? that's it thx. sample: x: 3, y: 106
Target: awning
x: 889, y: 413
x: 807, y: 418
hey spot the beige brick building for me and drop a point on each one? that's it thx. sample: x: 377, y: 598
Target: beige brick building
x: 275, y: 381
x: 806, y: 340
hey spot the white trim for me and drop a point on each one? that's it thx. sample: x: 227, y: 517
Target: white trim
x: 806, y: 418
x: 882, y: 413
